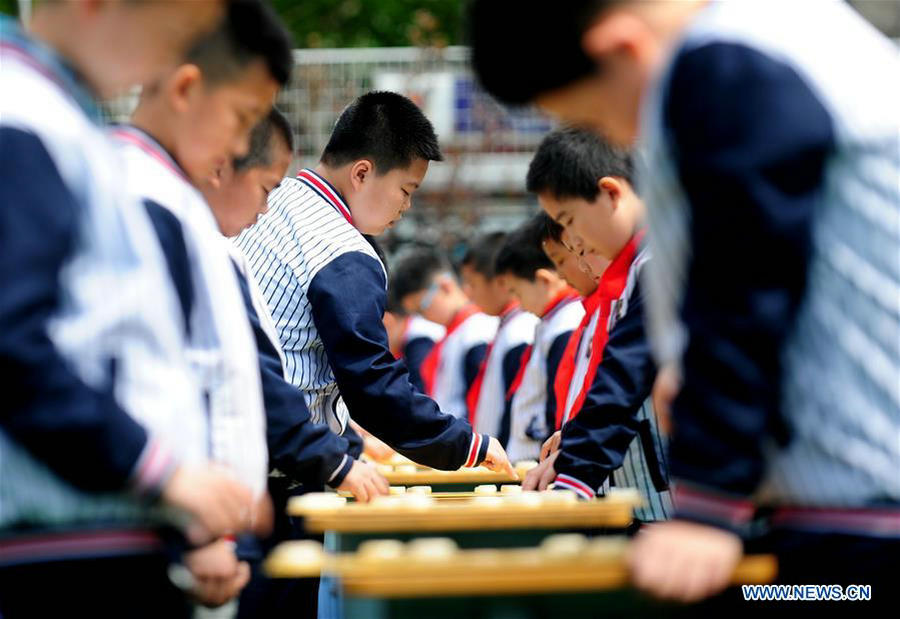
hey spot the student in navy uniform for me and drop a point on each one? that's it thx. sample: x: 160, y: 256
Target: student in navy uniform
x: 772, y: 194
x: 426, y: 285
x: 302, y: 452
x: 540, y: 290
x: 488, y: 399
x: 187, y: 121
x: 612, y: 434
x: 411, y: 337
x: 326, y: 286
x: 100, y: 425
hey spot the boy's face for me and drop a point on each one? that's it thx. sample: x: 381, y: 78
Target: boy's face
x: 377, y: 202
x: 240, y: 197
x: 435, y: 303
x: 570, y: 268
x: 533, y: 296
x: 491, y: 295
x: 601, y: 226
x: 121, y: 43
x: 215, y: 120
x: 628, y: 51
x: 596, y: 103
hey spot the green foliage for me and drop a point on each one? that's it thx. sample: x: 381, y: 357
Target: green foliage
x: 372, y: 23
x: 9, y: 7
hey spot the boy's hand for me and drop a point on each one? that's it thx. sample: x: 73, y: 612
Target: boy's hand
x: 497, y: 460
x: 683, y: 561
x: 542, y: 475
x: 364, y: 482
x: 551, y: 444
x: 218, y: 503
x: 218, y: 575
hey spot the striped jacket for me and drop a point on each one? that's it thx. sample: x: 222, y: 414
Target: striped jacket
x: 772, y: 154
x: 613, y: 438
x: 326, y: 289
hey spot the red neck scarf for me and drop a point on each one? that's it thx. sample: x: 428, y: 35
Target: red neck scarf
x: 430, y: 364
x: 511, y: 309
x: 611, y: 286
x: 563, y: 298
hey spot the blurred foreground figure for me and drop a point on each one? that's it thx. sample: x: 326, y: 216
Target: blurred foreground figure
x: 102, y: 431
x: 770, y: 170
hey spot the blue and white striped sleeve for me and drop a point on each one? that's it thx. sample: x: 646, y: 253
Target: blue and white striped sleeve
x: 751, y: 141
x: 348, y: 298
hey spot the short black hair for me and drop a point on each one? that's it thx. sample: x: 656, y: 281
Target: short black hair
x: 415, y: 272
x: 569, y: 162
x: 550, y: 230
x: 524, y: 48
x: 260, y: 151
x: 385, y: 127
x: 482, y: 254
x: 250, y: 30
x: 522, y: 254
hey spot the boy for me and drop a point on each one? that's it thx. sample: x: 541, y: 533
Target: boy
x: 82, y: 349
x: 326, y: 287
x: 576, y: 370
x: 427, y: 286
x: 611, y: 429
x: 754, y: 335
x: 488, y: 399
x: 533, y: 280
x: 183, y: 125
x: 411, y: 337
x: 301, y: 451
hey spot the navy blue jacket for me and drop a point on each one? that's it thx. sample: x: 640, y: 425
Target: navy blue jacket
x: 751, y: 153
x: 375, y: 386
x: 594, y: 443
x: 81, y: 433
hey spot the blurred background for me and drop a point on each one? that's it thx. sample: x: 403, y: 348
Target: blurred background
x: 347, y: 47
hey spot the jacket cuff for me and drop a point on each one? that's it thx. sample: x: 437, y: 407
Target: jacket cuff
x: 337, y: 477
x: 153, y: 469
x: 567, y: 482
x: 477, y: 449
x: 712, y: 507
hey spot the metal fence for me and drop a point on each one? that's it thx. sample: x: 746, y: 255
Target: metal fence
x: 487, y: 146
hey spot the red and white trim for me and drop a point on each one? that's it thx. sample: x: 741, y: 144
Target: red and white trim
x: 474, y: 448
x: 327, y: 191
x: 135, y: 136
x: 877, y: 522
x: 31, y: 549
x: 153, y: 468
x: 692, y: 501
x: 570, y: 483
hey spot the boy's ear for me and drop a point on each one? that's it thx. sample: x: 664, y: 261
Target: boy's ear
x: 617, y: 32
x: 545, y: 276
x: 613, y: 187
x: 360, y: 171
x: 180, y: 83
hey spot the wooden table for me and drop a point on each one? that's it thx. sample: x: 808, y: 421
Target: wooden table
x: 472, y: 520
x: 586, y: 582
